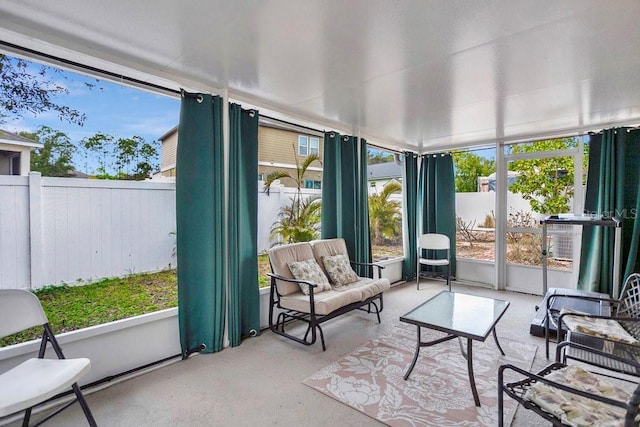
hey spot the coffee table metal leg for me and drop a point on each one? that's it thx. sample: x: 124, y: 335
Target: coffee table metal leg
x: 464, y: 353
x: 495, y: 337
x: 415, y: 357
x: 470, y: 368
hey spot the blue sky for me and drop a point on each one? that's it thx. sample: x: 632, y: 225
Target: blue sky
x: 111, y: 108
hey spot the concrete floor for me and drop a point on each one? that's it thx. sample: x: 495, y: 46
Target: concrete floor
x: 260, y: 382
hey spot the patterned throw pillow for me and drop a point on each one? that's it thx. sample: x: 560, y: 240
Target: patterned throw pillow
x: 311, y: 271
x: 339, y: 270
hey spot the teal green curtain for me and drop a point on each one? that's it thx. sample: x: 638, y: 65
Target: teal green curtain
x: 244, y: 296
x: 200, y: 225
x: 409, y: 207
x: 345, y: 211
x: 331, y: 183
x: 362, y: 230
x: 437, y: 199
x: 613, y: 189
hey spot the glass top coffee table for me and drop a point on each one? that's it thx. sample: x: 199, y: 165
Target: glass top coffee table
x: 460, y: 316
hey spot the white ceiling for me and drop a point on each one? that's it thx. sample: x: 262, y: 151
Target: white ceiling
x: 421, y: 75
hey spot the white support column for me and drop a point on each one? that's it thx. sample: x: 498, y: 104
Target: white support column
x: 500, y: 281
x: 578, y: 209
x: 35, y: 230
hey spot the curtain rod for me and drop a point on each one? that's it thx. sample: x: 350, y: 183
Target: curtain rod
x: 291, y: 123
x: 93, y: 70
x: 627, y: 128
x: 323, y: 131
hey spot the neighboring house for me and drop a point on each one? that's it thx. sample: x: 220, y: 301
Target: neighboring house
x: 168, y: 152
x: 278, y: 146
x: 489, y: 183
x: 15, y: 153
x: 380, y: 174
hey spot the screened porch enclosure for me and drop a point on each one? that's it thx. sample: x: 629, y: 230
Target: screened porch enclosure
x: 419, y: 79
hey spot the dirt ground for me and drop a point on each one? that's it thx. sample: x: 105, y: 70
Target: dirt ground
x: 526, y: 250
x: 523, y: 254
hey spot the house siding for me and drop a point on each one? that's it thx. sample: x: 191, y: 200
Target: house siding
x: 277, y: 150
x: 279, y: 147
x: 168, y: 157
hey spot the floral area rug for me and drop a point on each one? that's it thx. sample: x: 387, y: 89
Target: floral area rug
x: 436, y: 394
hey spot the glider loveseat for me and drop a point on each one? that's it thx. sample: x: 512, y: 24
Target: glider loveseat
x: 314, y: 282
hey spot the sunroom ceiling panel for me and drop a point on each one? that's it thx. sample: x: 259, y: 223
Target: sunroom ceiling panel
x: 417, y: 74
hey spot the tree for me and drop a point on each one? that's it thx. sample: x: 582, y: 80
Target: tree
x: 134, y: 157
x: 468, y: 168
x: 376, y: 156
x: 296, y: 221
x: 385, y: 219
x: 547, y: 183
x: 30, y: 89
x: 122, y: 158
x: 55, y: 158
x: 100, y: 145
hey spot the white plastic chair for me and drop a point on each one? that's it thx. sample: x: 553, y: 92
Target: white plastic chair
x: 36, y: 380
x: 434, y: 242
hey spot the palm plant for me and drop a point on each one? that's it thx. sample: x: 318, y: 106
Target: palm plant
x: 384, y: 214
x: 299, y: 222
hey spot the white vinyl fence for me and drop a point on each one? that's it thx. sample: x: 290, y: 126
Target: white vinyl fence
x: 67, y: 230
x: 269, y: 206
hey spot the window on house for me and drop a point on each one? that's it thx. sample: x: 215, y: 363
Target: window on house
x: 14, y: 165
x: 314, y: 145
x: 308, y: 145
x: 303, y: 145
x: 310, y: 183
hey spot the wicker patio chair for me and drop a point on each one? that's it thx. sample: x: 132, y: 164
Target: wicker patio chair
x: 568, y: 395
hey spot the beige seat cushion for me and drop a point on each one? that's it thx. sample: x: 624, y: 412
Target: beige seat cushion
x: 328, y: 247
x: 324, y: 302
x: 601, y: 328
x: 281, y: 256
x: 575, y: 410
x: 369, y: 287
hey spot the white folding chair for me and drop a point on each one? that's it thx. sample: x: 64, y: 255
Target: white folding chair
x: 432, y: 243
x: 36, y: 380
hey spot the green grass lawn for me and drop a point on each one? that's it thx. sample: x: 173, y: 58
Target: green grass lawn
x: 75, y: 307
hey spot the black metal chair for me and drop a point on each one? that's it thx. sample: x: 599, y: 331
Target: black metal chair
x: 624, y: 316
x: 569, y: 395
